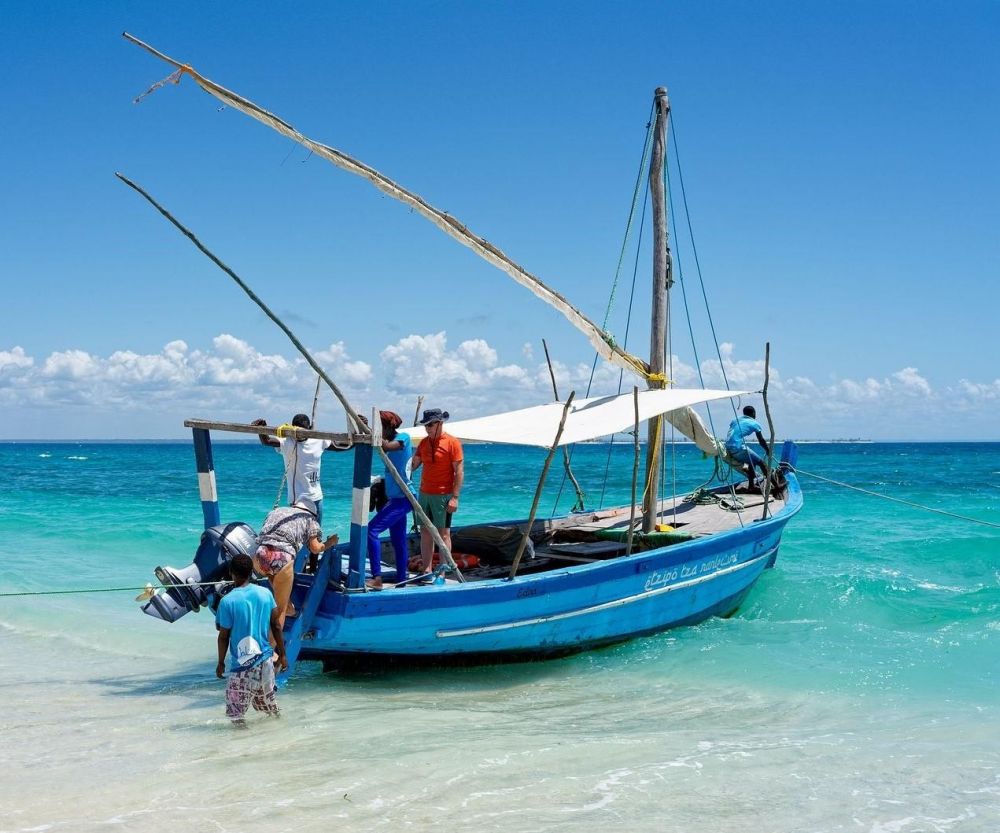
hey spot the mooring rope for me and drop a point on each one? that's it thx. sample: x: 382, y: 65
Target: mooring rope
x: 110, y: 589
x: 897, y: 499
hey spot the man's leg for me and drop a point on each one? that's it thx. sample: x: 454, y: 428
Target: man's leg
x: 757, y: 462
x: 426, y: 549
x: 265, y: 698
x: 378, y: 525
x: 426, y: 539
x: 237, y: 697
x: 397, y: 534
x: 281, y: 586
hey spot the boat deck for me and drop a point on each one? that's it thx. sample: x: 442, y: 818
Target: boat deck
x: 697, y: 519
x: 601, y: 535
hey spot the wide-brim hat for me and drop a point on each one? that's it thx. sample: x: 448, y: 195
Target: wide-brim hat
x: 433, y: 415
x: 306, y: 504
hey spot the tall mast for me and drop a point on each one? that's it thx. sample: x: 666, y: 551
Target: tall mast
x: 662, y: 278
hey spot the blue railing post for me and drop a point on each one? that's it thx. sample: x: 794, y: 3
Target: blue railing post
x: 206, y: 476
x: 360, y: 501
x: 297, y: 628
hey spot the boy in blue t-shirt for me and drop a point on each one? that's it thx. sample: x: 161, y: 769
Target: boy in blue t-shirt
x: 245, y: 616
x: 737, y: 448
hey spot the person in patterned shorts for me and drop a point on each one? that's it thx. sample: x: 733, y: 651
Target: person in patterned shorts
x: 245, y: 615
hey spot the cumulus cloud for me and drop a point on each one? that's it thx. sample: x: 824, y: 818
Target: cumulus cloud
x: 232, y: 379
x: 979, y: 392
x: 425, y: 364
x: 14, y: 361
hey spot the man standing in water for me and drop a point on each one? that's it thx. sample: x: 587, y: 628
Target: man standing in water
x: 441, y: 483
x: 246, y: 614
x: 737, y: 448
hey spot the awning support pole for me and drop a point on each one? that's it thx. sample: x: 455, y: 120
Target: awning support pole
x: 538, y: 489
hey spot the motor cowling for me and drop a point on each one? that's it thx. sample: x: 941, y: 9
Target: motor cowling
x: 202, y: 581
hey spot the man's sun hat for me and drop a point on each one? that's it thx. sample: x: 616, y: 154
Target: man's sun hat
x: 433, y: 415
x: 306, y: 504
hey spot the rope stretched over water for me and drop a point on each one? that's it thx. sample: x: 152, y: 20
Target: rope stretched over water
x: 898, y: 500
x: 108, y: 589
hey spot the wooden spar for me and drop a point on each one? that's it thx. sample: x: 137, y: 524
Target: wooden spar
x: 578, y: 506
x: 658, y: 304
x: 416, y: 413
x: 351, y: 412
x: 278, y: 431
x: 312, y: 416
x: 538, y: 488
x: 770, y: 425
x: 601, y: 341
x: 635, y: 471
x: 363, y: 435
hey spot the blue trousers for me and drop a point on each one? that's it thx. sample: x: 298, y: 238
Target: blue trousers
x: 392, y: 516
x: 746, y: 455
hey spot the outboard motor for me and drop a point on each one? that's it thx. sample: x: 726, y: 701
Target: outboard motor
x: 202, y: 581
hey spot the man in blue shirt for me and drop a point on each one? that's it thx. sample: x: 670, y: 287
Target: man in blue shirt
x: 245, y: 615
x: 392, y: 516
x: 738, y: 450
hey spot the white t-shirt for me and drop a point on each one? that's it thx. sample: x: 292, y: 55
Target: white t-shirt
x: 302, y: 461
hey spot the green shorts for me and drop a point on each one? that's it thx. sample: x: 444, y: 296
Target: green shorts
x: 436, y: 507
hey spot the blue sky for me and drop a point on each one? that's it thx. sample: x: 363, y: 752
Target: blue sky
x: 839, y: 160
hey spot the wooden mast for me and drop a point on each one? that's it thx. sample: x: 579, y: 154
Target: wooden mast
x: 662, y: 278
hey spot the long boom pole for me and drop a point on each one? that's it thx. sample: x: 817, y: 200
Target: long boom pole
x: 602, y: 342
x: 662, y: 279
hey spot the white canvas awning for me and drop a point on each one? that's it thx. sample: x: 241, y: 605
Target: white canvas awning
x: 587, y: 419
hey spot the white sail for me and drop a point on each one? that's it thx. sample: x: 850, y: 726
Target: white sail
x: 587, y: 418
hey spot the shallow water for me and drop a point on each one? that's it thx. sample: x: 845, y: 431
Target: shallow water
x: 854, y: 691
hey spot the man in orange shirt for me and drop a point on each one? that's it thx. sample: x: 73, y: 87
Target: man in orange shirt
x: 441, y: 482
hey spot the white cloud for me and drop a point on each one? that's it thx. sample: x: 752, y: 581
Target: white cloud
x: 912, y: 381
x: 232, y: 379
x: 425, y: 364
x: 979, y: 392
x: 13, y: 361
x: 70, y: 364
x: 742, y: 374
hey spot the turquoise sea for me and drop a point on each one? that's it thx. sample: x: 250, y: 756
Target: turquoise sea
x: 856, y: 690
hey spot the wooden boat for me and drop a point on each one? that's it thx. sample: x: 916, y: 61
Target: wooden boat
x: 574, y: 582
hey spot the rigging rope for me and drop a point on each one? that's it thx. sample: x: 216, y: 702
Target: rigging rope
x: 898, y: 499
x: 643, y: 163
x: 108, y: 589
x: 629, y: 225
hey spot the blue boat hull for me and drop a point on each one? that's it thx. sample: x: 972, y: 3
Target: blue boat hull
x: 551, y: 613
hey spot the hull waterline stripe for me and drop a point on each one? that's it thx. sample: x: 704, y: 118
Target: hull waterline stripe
x: 206, y: 486
x: 540, y: 620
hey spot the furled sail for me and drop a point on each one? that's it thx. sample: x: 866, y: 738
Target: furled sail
x: 601, y: 340
x: 690, y: 424
x: 587, y: 418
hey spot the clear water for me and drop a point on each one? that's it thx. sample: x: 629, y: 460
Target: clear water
x: 856, y: 690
